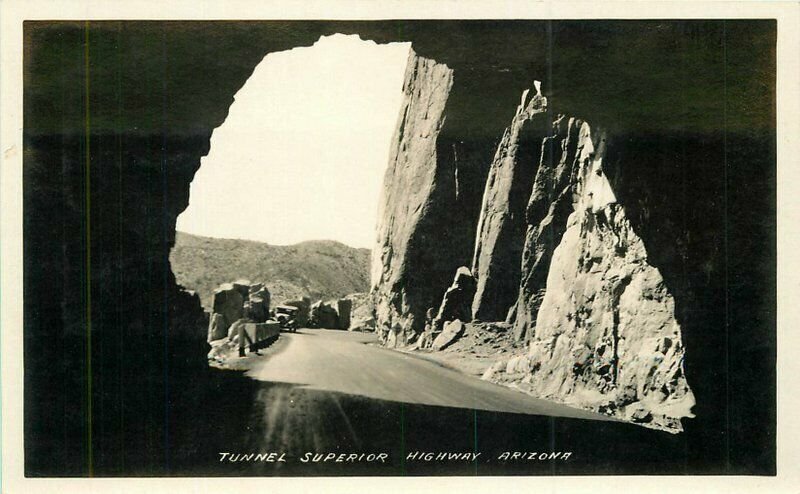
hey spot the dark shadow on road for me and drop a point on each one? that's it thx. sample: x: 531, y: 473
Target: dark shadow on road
x: 291, y: 419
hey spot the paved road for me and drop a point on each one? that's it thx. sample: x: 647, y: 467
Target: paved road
x: 344, y: 362
x: 323, y: 392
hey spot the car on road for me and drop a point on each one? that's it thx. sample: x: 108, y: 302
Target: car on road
x: 286, y: 315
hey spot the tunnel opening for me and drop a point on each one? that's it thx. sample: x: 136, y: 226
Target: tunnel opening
x: 287, y: 196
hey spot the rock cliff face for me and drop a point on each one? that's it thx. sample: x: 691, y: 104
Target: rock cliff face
x: 598, y: 316
x: 548, y: 209
x: 605, y: 336
x: 414, y: 188
x: 501, y: 227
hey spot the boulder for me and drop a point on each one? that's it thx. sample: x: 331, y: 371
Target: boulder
x: 638, y: 414
x: 243, y: 287
x: 457, y: 300
x: 362, y: 314
x: 229, y: 302
x: 517, y: 365
x: 323, y: 316
x: 217, y: 327
x: 343, y: 308
x: 451, y: 332
x: 258, y: 290
x: 259, y: 299
x: 362, y: 324
x: 222, y: 350
x: 424, y: 341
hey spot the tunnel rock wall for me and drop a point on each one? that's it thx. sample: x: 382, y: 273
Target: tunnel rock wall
x: 112, y: 343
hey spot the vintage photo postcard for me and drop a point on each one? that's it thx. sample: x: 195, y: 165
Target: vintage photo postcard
x: 532, y: 246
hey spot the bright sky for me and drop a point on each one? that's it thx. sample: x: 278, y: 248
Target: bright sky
x: 303, y: 151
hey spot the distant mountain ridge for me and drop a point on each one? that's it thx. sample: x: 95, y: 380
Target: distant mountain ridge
x: 320, y: 269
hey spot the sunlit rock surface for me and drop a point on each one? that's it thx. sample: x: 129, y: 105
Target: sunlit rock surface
x: 605, y: 336
x: 598, y: 316
x: 409, y: 199
x: 549, y: 206
x: 501, y: 226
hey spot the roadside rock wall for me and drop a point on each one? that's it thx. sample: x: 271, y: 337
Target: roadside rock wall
x: 502, y: 225
x: 411, y: 199
x: 549, y: 207
x: 597, y: 314
x: 606, y: 335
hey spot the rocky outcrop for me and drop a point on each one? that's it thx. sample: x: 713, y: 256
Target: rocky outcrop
x: 234, y: 302
x: 323, y: 316
x: 598, y: 316
x: 457, y: 300
x: 523, y: 221
x: 548, y: 209
x: 606, y: 336
x: 409, y: 199
x: 362, y: 314
x: 501, y: 226
x: 228, y: 302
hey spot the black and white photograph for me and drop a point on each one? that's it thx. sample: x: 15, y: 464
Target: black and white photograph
x: 398, y: 247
